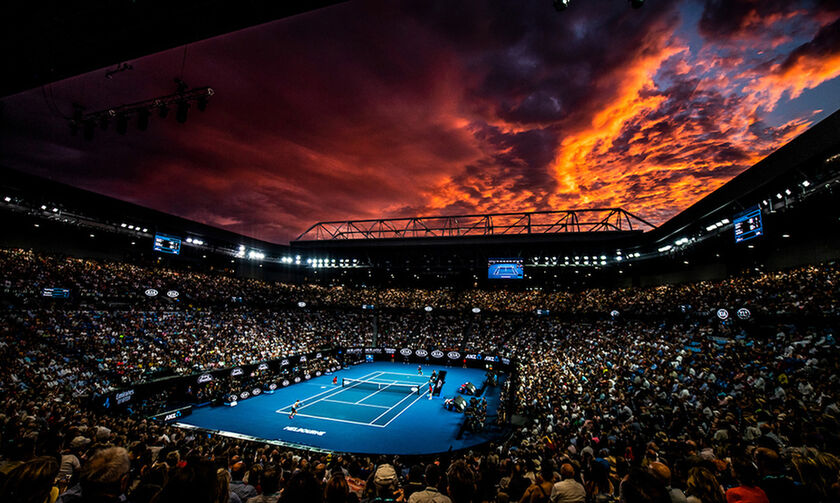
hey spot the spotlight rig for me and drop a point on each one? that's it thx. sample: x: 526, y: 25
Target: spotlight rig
x: 141, y: 111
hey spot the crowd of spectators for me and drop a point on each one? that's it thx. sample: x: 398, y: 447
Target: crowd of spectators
x: 810, y: 290
x: 628, y: 409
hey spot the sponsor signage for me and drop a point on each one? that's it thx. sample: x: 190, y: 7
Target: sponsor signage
x: 318, y: 373
x: 263, y: 366
x: 506, y: 361
x: 244, y: 395
x: 284, y: 362
x: 421, y: 353
x: 203, y: 378
x: 285, y: 382
x: 437, y: 353
x: 491, y: 358
x: 256, y: 391
x: 390, y: 351
x: 305, y: 431
x: 302, y: 359
x: 123, y: 396
x: 453, y: 355
x: 236, y: 372
x: 722, y: 314
x: 297, y: 379
x: 172, y: 294
x: 151, y: 292
x: 744, y: 313
x: 272, y: 386
x: 471, y: 356
x: 406, y: 351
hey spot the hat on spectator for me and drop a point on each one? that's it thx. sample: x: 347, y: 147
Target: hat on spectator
x: 79, y: 441
x: 385, y: 476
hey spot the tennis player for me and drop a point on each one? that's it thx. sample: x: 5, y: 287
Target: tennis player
x: 335, y: 380
x: 294, y: 409
x: 431, y: 388
x: 420, y: 370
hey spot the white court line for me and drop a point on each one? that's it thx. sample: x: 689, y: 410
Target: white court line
x: 400, y: 374
x: 341, y: 420
x: 357, y: 403
x: 375, y: 392
x: 405, y: 409
x: 401, y: 401
x: 280, y: 410
x: 334, y: 394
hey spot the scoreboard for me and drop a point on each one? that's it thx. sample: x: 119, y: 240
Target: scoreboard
x: 56, y: 293
x: 167, y: 244
x: 748, y: 224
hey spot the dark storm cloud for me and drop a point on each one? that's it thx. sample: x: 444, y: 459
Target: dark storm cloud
x: 381, y: 108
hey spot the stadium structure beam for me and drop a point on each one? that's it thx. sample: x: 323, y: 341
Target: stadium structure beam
x: 479, y: 224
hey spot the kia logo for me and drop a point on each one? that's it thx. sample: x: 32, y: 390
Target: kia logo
x: 285, y: 382
x: 405, y: 352
x: 272, y: 386
x: 421, y: 353
x: 453, y: 355
x: 204, y: 378
x: 244, y: 395
x: 297, y: 379
x: 151, y: 292
x: 437, y: 353
x: 722, y: 314
x: 256, y: 391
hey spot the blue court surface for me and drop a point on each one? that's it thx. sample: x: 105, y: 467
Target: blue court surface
x: 382, y: 408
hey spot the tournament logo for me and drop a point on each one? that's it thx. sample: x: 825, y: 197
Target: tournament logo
x: 151, y: 292
x: 453, y: 355
x: 405, y: 352
x: 437, y: 354
x: 421, y: 353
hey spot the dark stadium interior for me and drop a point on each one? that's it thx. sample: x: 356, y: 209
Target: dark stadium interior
x: 529, y: 353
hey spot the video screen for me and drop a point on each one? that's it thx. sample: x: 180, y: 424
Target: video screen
x: 167, y: 244
x: 748, y: 224
x: 504, y: 268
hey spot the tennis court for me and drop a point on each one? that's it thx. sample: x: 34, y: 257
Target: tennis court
x: 374, y: 400
x: 372, y: 409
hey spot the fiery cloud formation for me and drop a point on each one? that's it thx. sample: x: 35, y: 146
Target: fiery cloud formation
x: 414, y: 107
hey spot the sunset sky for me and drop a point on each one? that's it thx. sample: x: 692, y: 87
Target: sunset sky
x: 396, y: 108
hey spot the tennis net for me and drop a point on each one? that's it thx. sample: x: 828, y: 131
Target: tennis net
x: 399, y: 387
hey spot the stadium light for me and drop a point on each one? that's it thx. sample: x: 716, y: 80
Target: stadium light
x: 560, y: 5
x: 7, y: 199
x: 806, y: 184
x: 711, y: 227
x: 665, y: 248
x: 145, y: 229
x: 43, y: 206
